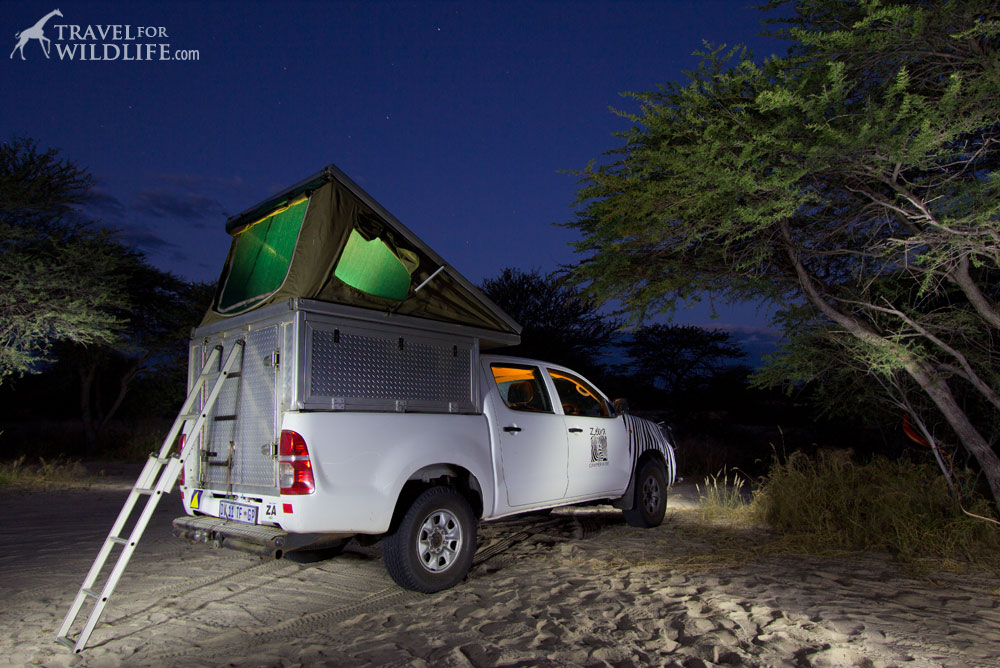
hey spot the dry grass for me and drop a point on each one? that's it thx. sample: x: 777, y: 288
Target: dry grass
x: 57, y: 472
x: 724, y: 497
x: 831, y: 506
x: 829, y: 502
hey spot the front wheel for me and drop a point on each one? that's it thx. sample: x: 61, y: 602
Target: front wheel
x: 433, y: 546
x: 650, y: 503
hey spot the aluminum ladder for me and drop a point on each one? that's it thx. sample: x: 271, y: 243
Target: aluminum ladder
x: 157, y: 478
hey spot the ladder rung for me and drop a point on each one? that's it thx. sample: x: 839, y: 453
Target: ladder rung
x: 91, y: 593
x: 190, y: 416
x: 215, y: 374
x: 63, y: 640
x: 116, y: 539
x: 144, y: 490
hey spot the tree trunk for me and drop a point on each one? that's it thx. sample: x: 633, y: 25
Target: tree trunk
x: 123, y: 385
x: 87, y: 372
x: 939, y: 392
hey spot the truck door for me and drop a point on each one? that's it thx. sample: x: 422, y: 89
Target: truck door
x: 532, y: 436
x: 599, y: 461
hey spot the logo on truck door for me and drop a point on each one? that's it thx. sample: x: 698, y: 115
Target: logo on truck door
x: 598, y: 446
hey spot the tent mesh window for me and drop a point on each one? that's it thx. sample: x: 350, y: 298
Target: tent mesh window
x: 260, y: 257
x: 372, y: 267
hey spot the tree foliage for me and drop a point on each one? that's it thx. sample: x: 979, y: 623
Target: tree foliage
x: 853, y: 181
x: 57, y: 276
x: 71, y: 291
x: 559, y: 324
x: 679, y: 358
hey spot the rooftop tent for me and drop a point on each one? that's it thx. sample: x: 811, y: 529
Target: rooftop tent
x: 326, y: 239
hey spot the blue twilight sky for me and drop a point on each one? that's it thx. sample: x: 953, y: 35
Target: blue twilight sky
x: 456, y: 116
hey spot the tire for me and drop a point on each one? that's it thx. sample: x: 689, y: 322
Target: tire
x: 433, y: 546
x: 650, y: 496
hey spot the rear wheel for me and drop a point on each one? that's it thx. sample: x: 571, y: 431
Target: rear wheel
x: 433, y: 546
x: 650, y: 503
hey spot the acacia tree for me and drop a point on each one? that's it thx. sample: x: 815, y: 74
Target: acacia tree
x: 681, y: 358
x: 857, y: 176
x: 56, y: 274
x: 559, y: 324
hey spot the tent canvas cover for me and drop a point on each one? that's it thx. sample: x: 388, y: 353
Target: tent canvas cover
x: 326, y: 239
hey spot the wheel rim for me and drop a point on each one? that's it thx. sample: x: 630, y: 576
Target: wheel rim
x: 439, y: 541
x: 651, y: 494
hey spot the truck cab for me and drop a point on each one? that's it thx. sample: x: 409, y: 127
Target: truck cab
x: 557, y: 438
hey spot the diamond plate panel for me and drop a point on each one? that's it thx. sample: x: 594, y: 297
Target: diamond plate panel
x: 364, y: 365
x: 241, y: 425
x: 253, y: 462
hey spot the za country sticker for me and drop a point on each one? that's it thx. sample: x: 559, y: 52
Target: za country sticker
x: 196, y: 499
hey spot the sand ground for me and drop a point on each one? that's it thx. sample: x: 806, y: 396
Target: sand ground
x: 576, y: 587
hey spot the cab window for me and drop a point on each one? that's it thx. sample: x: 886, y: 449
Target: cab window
x: 577, y: 397
x: 521, y: 388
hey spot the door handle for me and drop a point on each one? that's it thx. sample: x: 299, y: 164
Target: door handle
x: 575, y: 430
x: 512, y: 429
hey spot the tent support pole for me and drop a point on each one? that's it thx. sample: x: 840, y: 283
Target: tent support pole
x: 427, y: 280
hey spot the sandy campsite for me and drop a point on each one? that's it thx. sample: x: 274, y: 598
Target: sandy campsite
x: 576, y: 587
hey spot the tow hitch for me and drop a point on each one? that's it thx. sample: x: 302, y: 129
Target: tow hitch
x: 266, y: 542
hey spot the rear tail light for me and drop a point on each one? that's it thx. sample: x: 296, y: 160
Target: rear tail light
x: 295, y: 474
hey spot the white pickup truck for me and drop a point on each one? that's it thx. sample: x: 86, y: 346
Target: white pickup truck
x: 362, y: 405
x: 336, y: 388
x: 545, y: 437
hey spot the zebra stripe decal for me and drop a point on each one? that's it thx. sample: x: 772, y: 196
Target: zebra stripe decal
x: 644, y: 435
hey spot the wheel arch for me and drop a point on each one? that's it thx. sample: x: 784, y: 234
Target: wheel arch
x: 442, y: 474
x: 627, y: 499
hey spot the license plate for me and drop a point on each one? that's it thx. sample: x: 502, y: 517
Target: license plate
x: 238, y: 512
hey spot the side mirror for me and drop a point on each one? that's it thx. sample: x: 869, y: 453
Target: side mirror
x: 621, y: 406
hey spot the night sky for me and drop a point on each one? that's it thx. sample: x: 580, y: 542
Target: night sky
x: 459, y: 118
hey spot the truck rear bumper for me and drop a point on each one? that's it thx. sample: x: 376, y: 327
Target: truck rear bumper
x: 264, y: 541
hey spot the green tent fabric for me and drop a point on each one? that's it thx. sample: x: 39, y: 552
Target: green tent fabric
x: 378, y: 270
x: 260, y: 257
x: 370, y: 266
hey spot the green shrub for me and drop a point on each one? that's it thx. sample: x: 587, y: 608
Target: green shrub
x: 830, y: 502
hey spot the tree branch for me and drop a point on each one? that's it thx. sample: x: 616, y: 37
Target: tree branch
x: 963, y: 362
x: 960, y: 275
